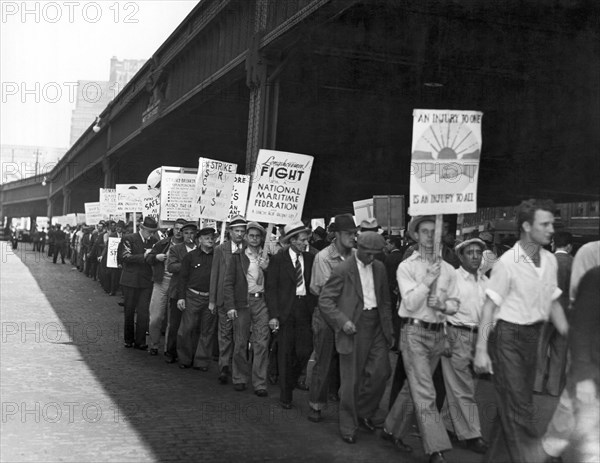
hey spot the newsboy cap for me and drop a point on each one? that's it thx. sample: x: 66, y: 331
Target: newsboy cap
x: 371, y: 241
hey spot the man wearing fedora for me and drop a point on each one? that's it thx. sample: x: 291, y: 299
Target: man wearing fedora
x: 325, y: 378
x: 356, y: 302
x: 423, y: 313
x: 246, y: 309
x: 197, y: 329
x: 461, y: 414
x: 216, y: 300
x: 136, y: 281
x: 291, y: 306
x: 173, y: 266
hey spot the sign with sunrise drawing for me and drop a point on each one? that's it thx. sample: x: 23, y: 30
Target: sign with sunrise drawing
x: 446, y: 148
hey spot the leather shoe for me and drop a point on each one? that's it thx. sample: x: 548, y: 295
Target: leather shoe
x: 477, y: 445
x: 367, y: 424
x: 128, y: 345
x: 141, y: 347
x: 437, y: 457
x: 239, y: 387
x: 401, y: 446
x: 302, y: 386
x: 314, y: 415
x: 170, y: 359
x: 285, y: 405
x: 223, y: 378
x: 261, y: 393
x: 333, y: 397
x: 201, y: 368
x: 184, y: 366
x: 349, y: 438
x: 153, y: 351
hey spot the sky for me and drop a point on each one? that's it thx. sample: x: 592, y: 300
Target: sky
x: 47, y: 46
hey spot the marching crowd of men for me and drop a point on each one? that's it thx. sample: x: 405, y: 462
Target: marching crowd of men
x: 347, y: 296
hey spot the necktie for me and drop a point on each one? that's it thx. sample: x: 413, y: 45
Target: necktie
x: 299, y: 276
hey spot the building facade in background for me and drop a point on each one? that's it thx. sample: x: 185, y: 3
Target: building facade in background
x: 94, y: 96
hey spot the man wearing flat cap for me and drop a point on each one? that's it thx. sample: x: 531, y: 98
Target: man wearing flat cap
x: 461, y: 414
x: 325, y: 380
x: 197, y: 329
x: 291, y: 306
x: 246, y: 310
x: 216, y: 300
x: 162, y: 280
x: 422, y: 313
x: 136, y: 281
x: 173, y: 265
x: 355, y: 301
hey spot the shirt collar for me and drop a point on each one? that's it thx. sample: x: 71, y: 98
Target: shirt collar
x: 465, y: 275
x: 293, y: 255
x: 560, y: 251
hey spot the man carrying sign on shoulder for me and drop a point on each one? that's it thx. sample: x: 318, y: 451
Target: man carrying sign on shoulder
x: 522, y: 293
x: 422, y: 313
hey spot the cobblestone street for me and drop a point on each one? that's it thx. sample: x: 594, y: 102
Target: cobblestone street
x: 71, y: 392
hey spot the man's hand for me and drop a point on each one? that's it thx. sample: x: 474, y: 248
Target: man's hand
x: 435, y: 303
x: 349, y: 327
x: 181, y: 304
x: 433, y: 271
x: 263, y: 262
x: 212, y: 307
x: 161, y: 257
x: 274, y: 324
x: 585, y: 391
x: 482, y: 363
x: 232, y: 314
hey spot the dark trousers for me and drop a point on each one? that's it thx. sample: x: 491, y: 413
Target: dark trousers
x: 513, y: 351
x: 363, y: 373
x: 137, y: 301
x: 50, y: 249
x: 59, y: 248
x: 326, y: 370
x: 294, y: 347
x: 173, y: 322
x: 552, y: 361
x: 114, y: 276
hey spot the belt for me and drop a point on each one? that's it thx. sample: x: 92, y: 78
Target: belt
x: 426, y: 325
x: 370, y: 308
x: 198, y: 293
x: 472, y: 329
x: 255, y: 295
x: 300, y: 297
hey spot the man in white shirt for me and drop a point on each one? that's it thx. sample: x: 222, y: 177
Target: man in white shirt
x: 522, y: 294
x: 423, y: 313
x: 460, y: 413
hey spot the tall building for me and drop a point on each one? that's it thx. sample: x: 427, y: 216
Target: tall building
x: 94, y: 96
x: 21, y: 161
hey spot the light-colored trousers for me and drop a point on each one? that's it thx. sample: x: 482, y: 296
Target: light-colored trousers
x: 460, y: 412
x: 421, y: 351
x: 251, y: 324
x: 158, y: 308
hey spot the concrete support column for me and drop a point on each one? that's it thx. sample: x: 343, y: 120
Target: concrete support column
x: 108, y: 169
x: 49, y: 206
x: 66, y: 200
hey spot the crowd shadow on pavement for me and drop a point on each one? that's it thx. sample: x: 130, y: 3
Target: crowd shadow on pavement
x: 186, y: 415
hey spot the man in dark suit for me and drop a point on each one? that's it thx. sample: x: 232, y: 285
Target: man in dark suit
x: 216, y: 300
x: 355, y: 301
x: 59, y: 244
x: 136, y: 281
x: 290, y: 306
